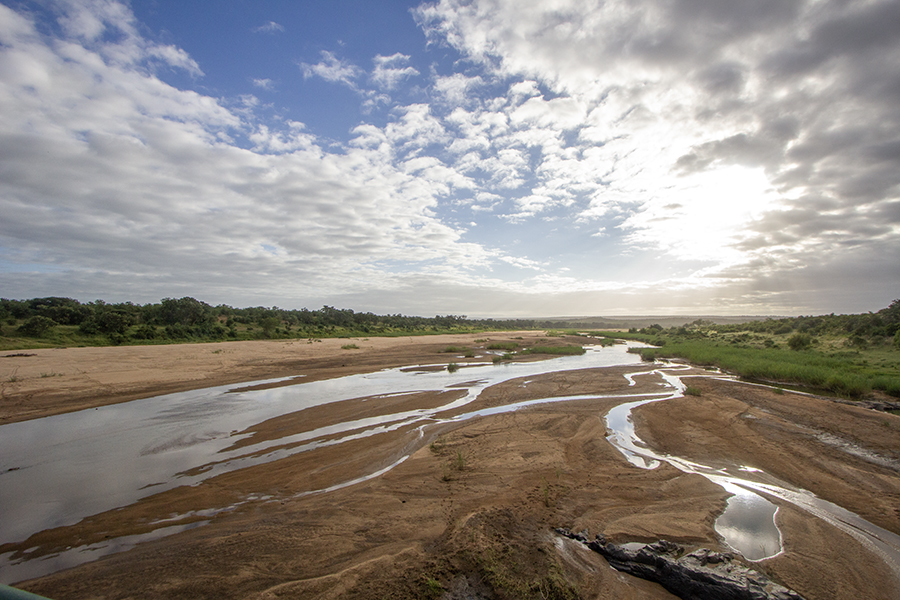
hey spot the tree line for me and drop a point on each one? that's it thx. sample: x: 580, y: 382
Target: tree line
x: 860, y: 330
x: 190, y: 319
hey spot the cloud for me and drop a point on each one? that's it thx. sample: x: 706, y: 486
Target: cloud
x: 390, y: 71
x: 458, y: 89
x: 721, y: 155
x: 271, y: 28
x: 134, y: 189
x: 747, y: 116
x: 333, y: 69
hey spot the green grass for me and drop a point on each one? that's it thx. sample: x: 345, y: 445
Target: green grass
x: 508, y: 346
x: 350, y: 347
x: 849, y: 374
x: 455, y: 349
x: 560, y: 350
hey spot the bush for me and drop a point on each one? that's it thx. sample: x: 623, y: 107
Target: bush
x: 563, y: 350
x: 508, y: 346
x: 112, y: 321
x: 116, y: 338
x: 36, y: 326
x: 799, y: 341
x: 144, y: 332
x: 269, y: 326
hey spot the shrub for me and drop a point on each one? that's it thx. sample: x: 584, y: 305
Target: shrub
x: 452, y: 367
x: 692, y: 391
x: 799, y: 341
x: 36, y: 326
x: 144, y: 332
x: 112, y: 321
x: 508, y: 346
x: 565, y: 350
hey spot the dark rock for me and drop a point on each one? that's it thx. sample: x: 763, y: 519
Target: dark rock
x: 700, y: 575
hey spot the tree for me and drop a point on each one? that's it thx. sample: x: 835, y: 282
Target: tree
x: 36, y: 326
x: 269, y: 324
x: 113, y: 321
x: 184, y: 311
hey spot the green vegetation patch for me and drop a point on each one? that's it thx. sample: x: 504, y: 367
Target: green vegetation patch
x: 561, y: 350
x: 508, y: 346
x: 847, y: 355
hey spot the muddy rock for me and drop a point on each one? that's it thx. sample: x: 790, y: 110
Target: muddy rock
x: 699, y: 575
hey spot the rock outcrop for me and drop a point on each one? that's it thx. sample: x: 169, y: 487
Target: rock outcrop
x: 699, y: 575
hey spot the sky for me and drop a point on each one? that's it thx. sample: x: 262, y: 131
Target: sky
x: 489, y: 158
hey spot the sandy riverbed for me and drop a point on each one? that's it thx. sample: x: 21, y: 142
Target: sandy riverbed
x: 476, y: 506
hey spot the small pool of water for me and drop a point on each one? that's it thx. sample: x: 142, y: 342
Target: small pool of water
x: 748, y: 524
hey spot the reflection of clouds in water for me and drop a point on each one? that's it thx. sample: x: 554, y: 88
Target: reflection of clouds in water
x: 748, y: 524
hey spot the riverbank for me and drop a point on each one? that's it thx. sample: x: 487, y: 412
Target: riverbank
x: 42, y: 382
x: 471, y: 512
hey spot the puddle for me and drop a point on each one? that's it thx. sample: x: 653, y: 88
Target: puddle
x: 748, y: 524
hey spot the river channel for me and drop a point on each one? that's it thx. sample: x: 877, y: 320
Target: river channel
x: 58, y: 470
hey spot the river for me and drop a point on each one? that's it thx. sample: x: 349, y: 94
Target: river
x: 58, y: 470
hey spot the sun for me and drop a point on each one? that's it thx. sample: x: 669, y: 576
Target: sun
x: 703, y: 215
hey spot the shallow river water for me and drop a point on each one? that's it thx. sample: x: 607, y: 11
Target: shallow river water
x: 58, y: 470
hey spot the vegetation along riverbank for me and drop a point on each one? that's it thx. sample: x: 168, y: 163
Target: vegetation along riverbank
x: 851, y: 356
x: 848, y: 355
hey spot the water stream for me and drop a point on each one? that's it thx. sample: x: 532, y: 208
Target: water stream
x: 58, y: 470
x: 748, y: 522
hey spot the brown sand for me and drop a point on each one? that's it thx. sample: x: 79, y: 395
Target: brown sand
x: 474, y: 510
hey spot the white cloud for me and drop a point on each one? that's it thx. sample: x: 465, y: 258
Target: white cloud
x: 333, y: 69
x: 175, y: 57
x: 457, y: 89
x: 734, y: 152
x: 137, y: 182
x: 390, y: 71
x: 271, y: 28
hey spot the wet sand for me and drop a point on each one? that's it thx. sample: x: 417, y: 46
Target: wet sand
x: 474, y: 506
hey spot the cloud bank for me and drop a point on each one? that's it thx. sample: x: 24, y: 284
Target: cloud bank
x: 682, y: 156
